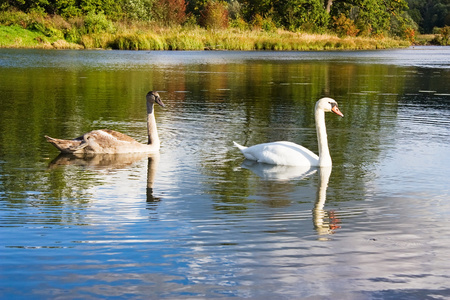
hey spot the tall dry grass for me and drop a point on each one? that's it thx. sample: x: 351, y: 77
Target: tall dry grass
x: 233, y: 39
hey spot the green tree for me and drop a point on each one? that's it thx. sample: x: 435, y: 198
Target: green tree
x: 67, y: 8
x: 111, y: 8
x: 25, y: 5
x: 371, y: 16
x: 252, y: 8
x: 308, y: 15
x: 429, y: 14
x: 139, y: 9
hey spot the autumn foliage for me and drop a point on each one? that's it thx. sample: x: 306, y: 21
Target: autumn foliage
x: 214, y: 15
x: 345, y: 26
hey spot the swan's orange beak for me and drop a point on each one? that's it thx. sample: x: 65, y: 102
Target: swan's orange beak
x: 336, y: 110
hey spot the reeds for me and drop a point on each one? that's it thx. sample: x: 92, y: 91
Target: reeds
x: 232, y: 39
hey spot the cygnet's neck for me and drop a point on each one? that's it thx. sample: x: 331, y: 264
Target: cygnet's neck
x: 324, y: 152
x: 153, y: 138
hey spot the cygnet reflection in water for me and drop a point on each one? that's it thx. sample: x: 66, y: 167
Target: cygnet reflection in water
x: 110, y: 162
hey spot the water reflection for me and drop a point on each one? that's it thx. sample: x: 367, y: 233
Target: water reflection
x: 278, y: 172
x: 152, y: 167
x: 97, y: 161
x: 109, y: 162
x: 325, y: 222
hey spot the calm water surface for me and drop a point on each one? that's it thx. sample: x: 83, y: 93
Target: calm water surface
x: 197, y: 221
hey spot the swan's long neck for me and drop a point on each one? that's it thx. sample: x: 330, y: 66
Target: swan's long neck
x: 324, y: 152
x: 153, y: 138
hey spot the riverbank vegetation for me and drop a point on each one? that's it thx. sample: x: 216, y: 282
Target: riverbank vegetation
x: 137, y: 36
x: 206, y: 24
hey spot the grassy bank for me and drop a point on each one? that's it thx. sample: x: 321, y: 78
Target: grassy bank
x: 17, y: 37
x: 191, y: 39
x: 96, y: 31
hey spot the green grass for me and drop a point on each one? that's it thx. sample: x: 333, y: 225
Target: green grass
x: 15, y: 36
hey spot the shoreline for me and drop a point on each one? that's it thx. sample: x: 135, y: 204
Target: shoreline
x: 195, y: 39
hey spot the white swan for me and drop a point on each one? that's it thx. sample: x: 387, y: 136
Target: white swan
x: 110, y: 141
x: 291, y: 154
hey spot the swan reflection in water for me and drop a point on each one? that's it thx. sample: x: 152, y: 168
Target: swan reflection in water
x: 278, y: 172
x: 325, y: 222
x: 110, y: 162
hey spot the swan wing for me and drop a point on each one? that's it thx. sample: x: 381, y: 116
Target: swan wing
x: 281, y: 153
x: 67, y: 146
x: 99, y: 141
x: 109, y: 135
x: 110, y: 141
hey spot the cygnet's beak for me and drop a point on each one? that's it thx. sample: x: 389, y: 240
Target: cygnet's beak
x: 159, y: 101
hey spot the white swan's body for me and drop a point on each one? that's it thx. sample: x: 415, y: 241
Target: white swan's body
x: 291, y: 154
x: 280, y: 153
x: 110, y: 141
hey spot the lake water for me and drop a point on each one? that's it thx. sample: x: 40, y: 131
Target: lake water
x: 199, y: 222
